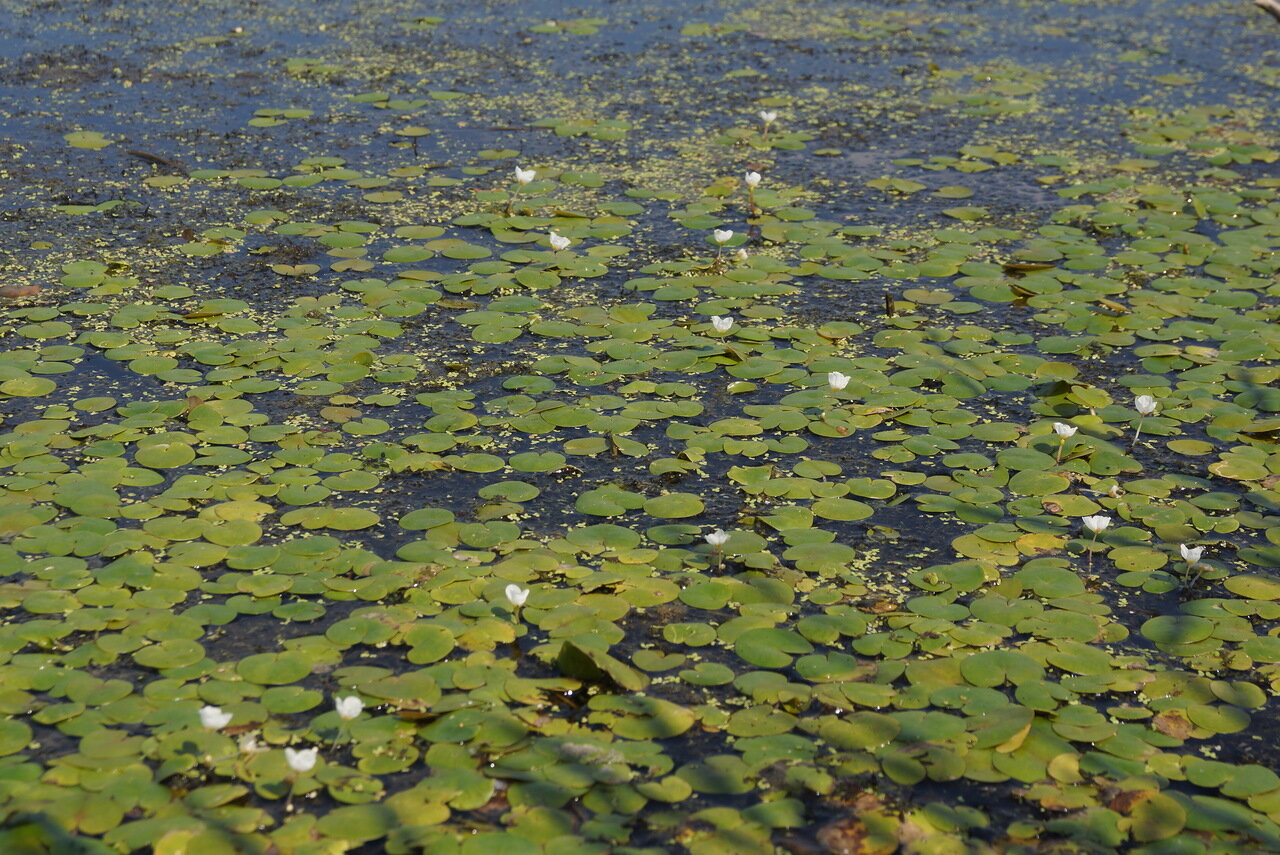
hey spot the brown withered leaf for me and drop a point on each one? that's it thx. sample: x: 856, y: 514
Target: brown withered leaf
x: 1173, y: 723
x: 1123, y: 801
x: 850, y: 836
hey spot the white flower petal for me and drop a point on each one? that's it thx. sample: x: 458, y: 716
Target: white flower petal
x: 301, y: 760
x: 516, y: 595
x: 717, y: 538
x: 1097, y: 523
x: 213, y: 718
x: 349, y: 707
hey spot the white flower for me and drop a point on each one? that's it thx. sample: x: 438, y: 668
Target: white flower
x: 1096, y: 524
x: 1115, y: 492
x: 249, y: 744
x: 742, y: 254
x: 524, y: 176
x: 767, y: 116
x: 717, y: 539
x: 721, y: 324
x: 752, y: 179
x: 348, y: 707
x: 1064, y: 431
x: 302, y: 760
x: 516, y: 595
x: 722, y: 236
x: 213, y: 718
x: 1191, y: 554
x: 1144, y: 404
x: 837, y: 381
x: 558, y: 241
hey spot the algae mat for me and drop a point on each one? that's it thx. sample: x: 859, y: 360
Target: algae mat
x: 724, y: 427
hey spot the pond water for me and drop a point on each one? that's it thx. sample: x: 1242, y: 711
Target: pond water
x: 886, y: 463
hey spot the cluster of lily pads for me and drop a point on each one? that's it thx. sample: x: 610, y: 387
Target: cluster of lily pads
x: 569, y: 506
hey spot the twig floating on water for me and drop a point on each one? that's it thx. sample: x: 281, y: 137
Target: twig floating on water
x: 154, y: 158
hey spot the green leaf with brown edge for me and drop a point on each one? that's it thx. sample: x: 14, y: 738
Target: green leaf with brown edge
x: 596, y: 666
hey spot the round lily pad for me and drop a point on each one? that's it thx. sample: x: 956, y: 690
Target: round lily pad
x: 274, y: 669
x: 674, y: 506
x: 1177, y: 629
